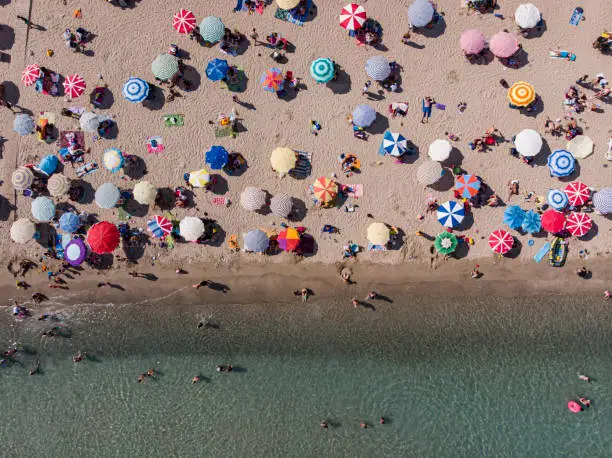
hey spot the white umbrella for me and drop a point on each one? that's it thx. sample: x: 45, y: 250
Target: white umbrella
x: 429, y: 172
x: 581, y: 146
x: 440, y: 150
x: 528, y: 142
x: 527, y: 16
x: 89, y: 121
x: 22, y: 230
x: 107, y: 195
x: 420, y: 13
x: 191, y: 228
x: 145, y: 193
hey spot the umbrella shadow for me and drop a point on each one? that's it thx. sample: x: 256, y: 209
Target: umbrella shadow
x: 308, y: 246
x: 436, y: 30
x: 88, y: 194
x: 156, y: 99
x: 516, y: 249
x: 112, y: 132
x: 214, y: 234
x: 463, y: 249
x: 7, y: 36
x: 541, y: 159
x: 192, y: 77
x: 5, y: 208
x: 455, y: 158
x: 107, y: 100
x: 591, y: 234
x: 11, y: 95
x: 135, y: 167
x: 535, y: 32
x: 342, y: 83
x: 380, y: 125
x: 468, y: 222
x: 165, y: 199
x: 220, y: 185
x: 298, y: 211
x: 134, y: 250
x: 572, y: 176
x: 445, y: 183
x: 397, y: 241
x: 535, y: 109
x: 135, y: 208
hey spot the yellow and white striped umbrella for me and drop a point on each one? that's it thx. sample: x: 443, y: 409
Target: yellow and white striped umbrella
x: 199, y: 178
x: 521, y: 94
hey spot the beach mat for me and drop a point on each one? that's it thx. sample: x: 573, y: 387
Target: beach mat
x: 356, y: 190
x: 303, y: 165
x: 576, y: 16
x: 174, y: 120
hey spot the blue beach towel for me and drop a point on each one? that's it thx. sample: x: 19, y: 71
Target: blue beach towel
x: 238, y: 6
x: 543, y: 252
x: 576, y: 16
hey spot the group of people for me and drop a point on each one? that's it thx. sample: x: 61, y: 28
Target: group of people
x: 76, y: 41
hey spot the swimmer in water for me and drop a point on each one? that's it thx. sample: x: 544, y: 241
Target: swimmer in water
x: 78, y: 357
x: 229, y: 368
x: 220, y: 368
x: 585, y: 402
x: 584, y: 377
x: 195, y: 380
x: 141, y: 378
x: 363, y: 424
x: 382, y: 420
x: 35, y: 368
x: 150, y: 373
x: 324, y: 424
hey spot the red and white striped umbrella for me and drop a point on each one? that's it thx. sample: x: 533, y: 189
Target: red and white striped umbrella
x: 578, y: 193
x: 74, y: 86
x: 30, y: 74
x: 352, y: 16
x: 578, y: 224
x: 184, y: 22
x: 501, y: 241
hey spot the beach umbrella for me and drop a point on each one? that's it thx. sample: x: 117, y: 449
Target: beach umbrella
x: 43, y: 209
x: 378, y: 234
x: 24, y: 124
x: 527, y: 16
x: 514, y: 216
x: 352, y: 17
x: 256, y: 241
x: 288, y: 239
x: 472, y: 41
x: 48, y: 164
x: 89, y: 121
x: 145, y: 193
x: 521, y: 94
x: 58, y: 185
x: 578, y: 224
x: 22, y: 230
x: 165, y: 66
x: 107, y: 195
x: 69, y: 222
x: 30, y: 74
x: 135, y: 90
x: 199, y: 178
x: 394, y: 144
x: 22, y: 178
x: 561, y: 163
x: 272, y: 80
x: 467, y: 185
x: 429, y: 172
x: 446, y: 243
x: 450, y: 214
x: 503, y: 44
x: 287, y: 4
x: 103, y: 237
x: 281, y: 205
x: 602, y: 200
x: 532, y: 222
x: 378, y: 68
x: 557, y: 199
x: 553, y: 221
x: 282, y: 159
x: 159, y: 226
x: 216, y: 69
x: 75, y: 252
x: 212, y: 29
x: 184, y: 22
x: 191, y: 228
x: 528, y: 142
x: 363, y: 115
x: 217, y: 157
x: 577, y: 193
x: 440, y: 150
x: 322, y: 69
x: 253, y: 199
x: 420, y: 13
x: 501, y: 241
x: 113, y: 160
x: 74, y: 86
x: 325, y: 190
x: 581, y: 146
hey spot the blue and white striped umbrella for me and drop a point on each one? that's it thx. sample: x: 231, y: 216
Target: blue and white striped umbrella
x: 557, y: 199
x: 561, y: 163
x: 602, y: 200
x: 363, y: 115
x: 450, y: 214
x: 135, y: 90
x: 378, y: 68
x: 394, y: 144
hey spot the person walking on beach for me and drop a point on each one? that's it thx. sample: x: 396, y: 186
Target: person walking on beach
x: 476, y: 273
x: 355, y: 302
x: 199, y: 285
x: 371, y: 296
x: 366, y: 88
x: 304, y: 294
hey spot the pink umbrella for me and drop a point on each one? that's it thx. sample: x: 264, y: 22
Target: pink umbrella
x: 501, y: 241
x: 74, y: 86
x: 472, y: 41
x: 352, y: 16
x: 30, y: 74
x: 578, y: 193
x: 578, y: 224
x: 184, y: 22
x: 503, y: 44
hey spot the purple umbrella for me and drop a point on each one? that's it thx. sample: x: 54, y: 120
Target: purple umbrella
x: 75, y: 252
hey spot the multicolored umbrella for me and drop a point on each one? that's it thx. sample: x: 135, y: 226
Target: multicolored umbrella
x: 503, y: 44
x: 472, y: 41
x: 113, y: 160
x: 107, y: 195
x: 69, y: 222
x: 553, y: 221
x: 521, y: 94
x: 184, y: 22
x: 30, y: 74
x: 378, y: 234
x: 578, y: 224
x: 135, y: 90
x: 450, y: 214
x: 420, y: 13
x: 440, y: 150
x: 159, y: 226
x: 322, y: 70
x: 281, y: 205
x: 289, y: 239
x: 58, y: 185
x: 577, y: 193
x: 394, y: 144
x: 216, y: 69
x: 103, y: 237
x: 22, y: 230
x: 501, y: 241
x: 212, y: 29
x: 191, y: 228
x: 282, y: 159
x: 602, y: 200
x: 514, y: 216
x: 43, y: 209
x: 253, y: 199
x: 532, y: 223
x: 256, y: 241
x: 145, y: 193
x: 217, y: 157
x: 528, y: 142
x: 557, y: 199
x: 352, y: 17
x: 272, y: 80
x: 22, y: 178
x: 199, y: 178
x: 527, y: 16
x: 74, y: 86
x: 165, y: 66
x: 75, y: 252
x: 24, y: 124
x: 429, y: 172
x: 325, y: 190
x: 467, y: 185
x: 581, y: 146
x: 446, y: 243
x: 378, y: 68
x: 363, y: 115
x: 561, y: 163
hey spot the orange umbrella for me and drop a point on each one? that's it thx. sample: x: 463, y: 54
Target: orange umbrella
x: 325, y: 189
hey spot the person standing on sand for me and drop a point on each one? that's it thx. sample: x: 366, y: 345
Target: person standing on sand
x: 371, y: 296
x: 355, y: 302
x: 426, y: 105
x: 366, y: 88
x: 304, y: 294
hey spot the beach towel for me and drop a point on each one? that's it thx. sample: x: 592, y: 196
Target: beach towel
x: 439, y: 106
x: 223, y: 200
x: 175, y: 120
x: 563, y: 55
x: 86, y: 169
x: 292, y: 16
x: 303, y: 165
x: 354, y: 190
x: 79, y: 138
x: 576, y: 16
x: 155, y: 144
x: 372, y: 247
x: 76, y: 110
x: 239, y: 6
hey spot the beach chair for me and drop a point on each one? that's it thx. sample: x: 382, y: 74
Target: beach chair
x: 303, y: 165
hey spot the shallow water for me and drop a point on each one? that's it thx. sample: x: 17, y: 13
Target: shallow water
x: 470, y: 378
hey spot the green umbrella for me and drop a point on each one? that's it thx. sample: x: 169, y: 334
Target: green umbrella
x: 165, y: 66
x: 212, y: 29
x: 322, y: 70
x: 446, y: 243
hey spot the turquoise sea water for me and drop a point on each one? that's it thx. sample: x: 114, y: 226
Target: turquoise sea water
x: 452, y: 377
